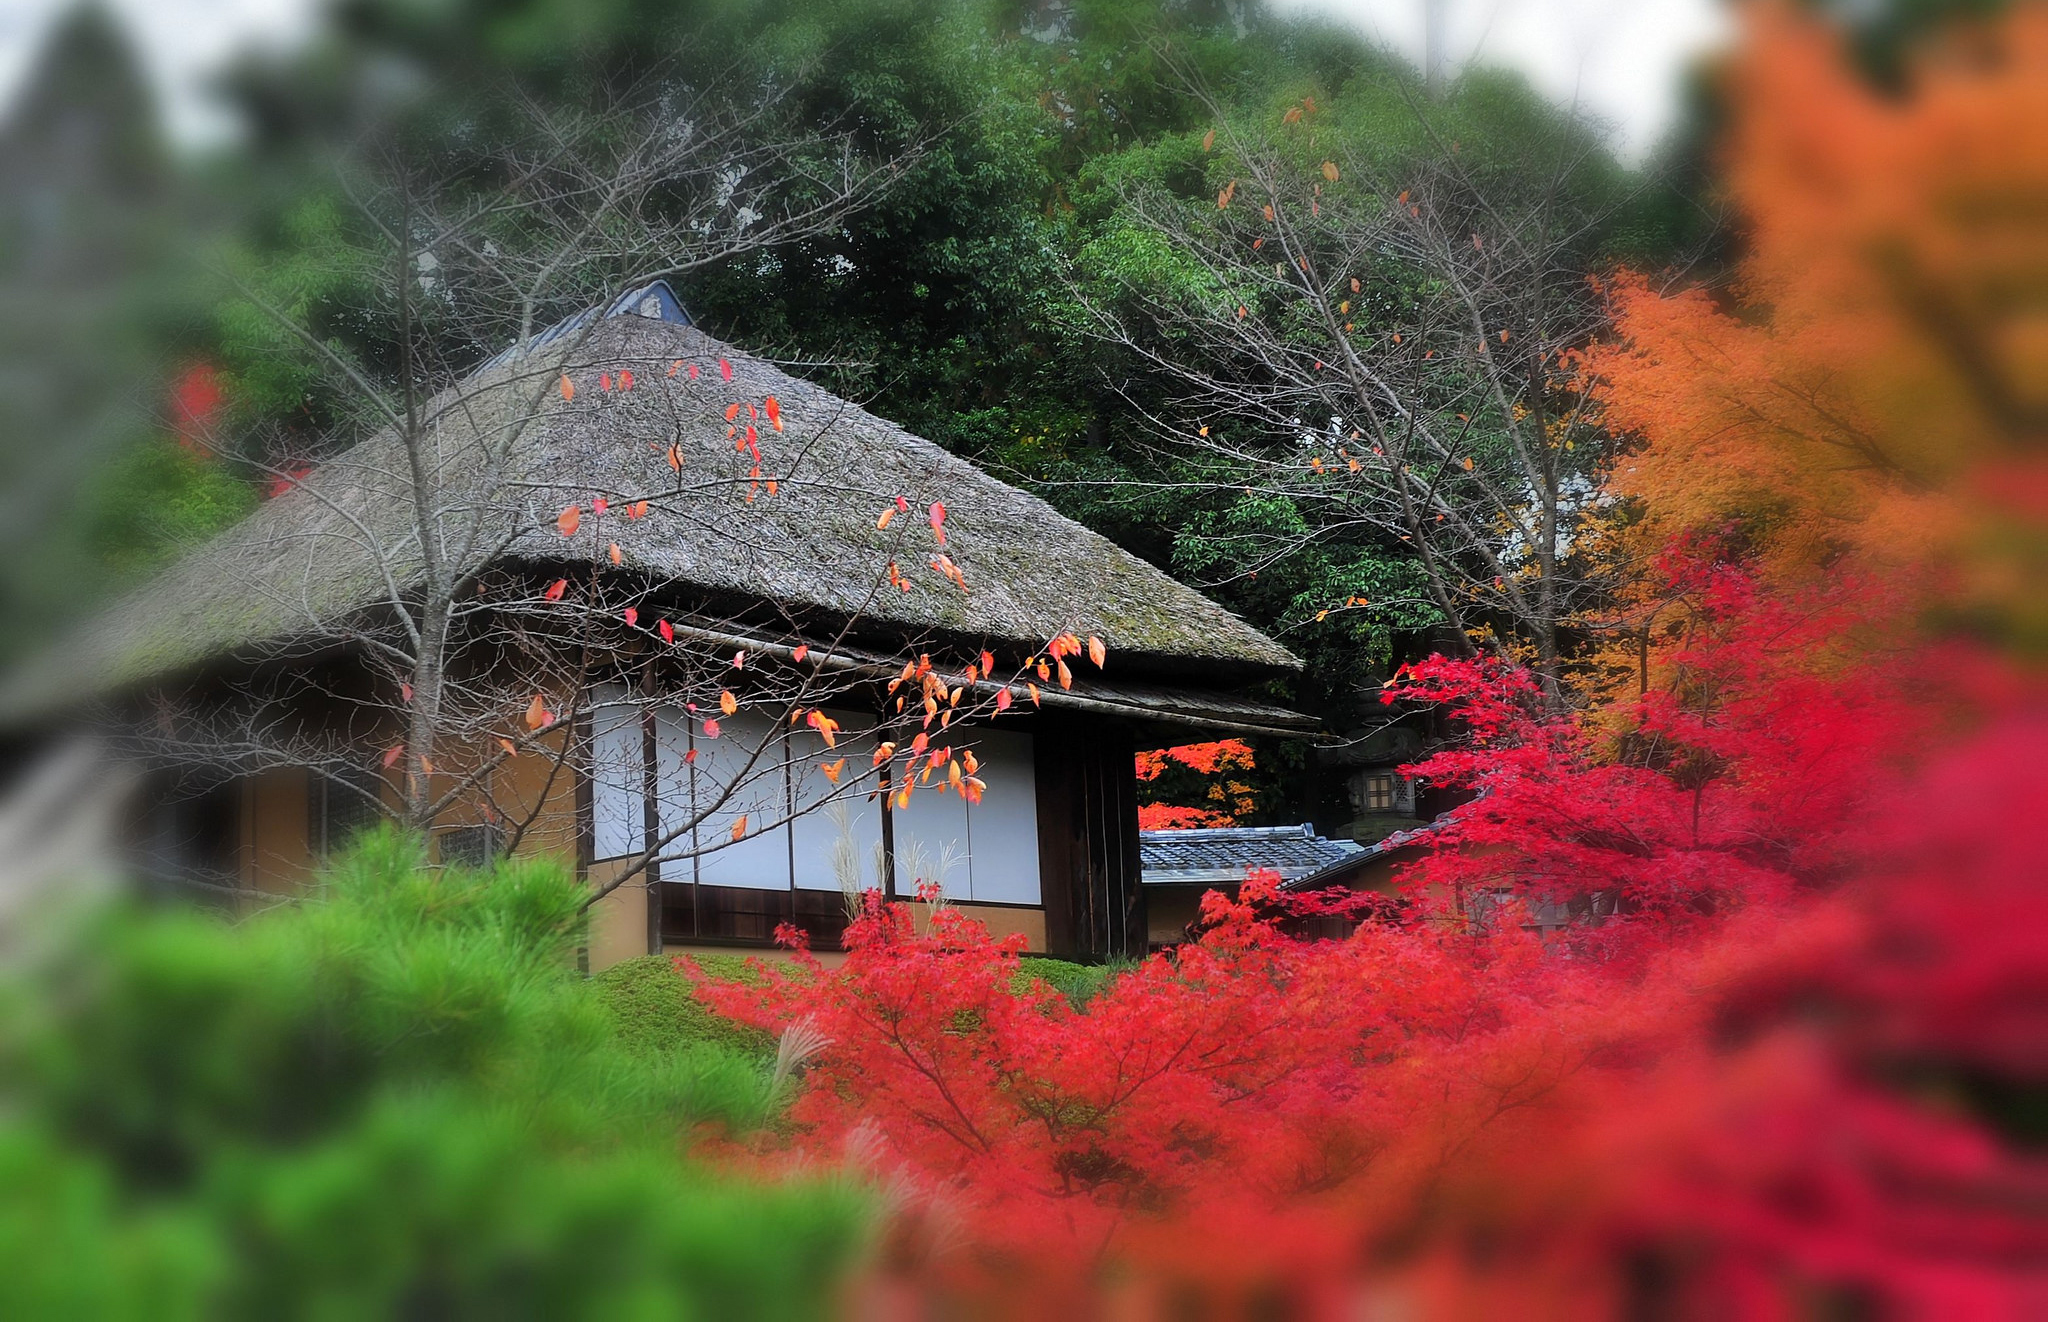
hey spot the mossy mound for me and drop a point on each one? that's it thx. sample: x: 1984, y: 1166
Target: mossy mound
x: 656, y: 1012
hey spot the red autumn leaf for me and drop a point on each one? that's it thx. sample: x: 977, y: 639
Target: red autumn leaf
x: 711, y: 729
x: 626, y: 379
x: 802, y: 650
x: 732, y: 411
x: 556, y: 589
x: 739, y: 828
x: 632, y: 614
x: 604, y: 381
x: 600, y: 505
x: 693, y: 371
x: 667, y: 631
x: 774, y: 410
x: 405, y: 692
x: 725, y: 369
x: 1003, y: 700
x: 392, y: 754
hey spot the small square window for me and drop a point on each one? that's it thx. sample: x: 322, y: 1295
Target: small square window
x: 1379, y: 792
x: 337, y: 807
x: 469, y: 846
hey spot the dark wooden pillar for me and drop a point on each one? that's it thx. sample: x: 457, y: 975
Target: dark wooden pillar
x: 1088, y: 838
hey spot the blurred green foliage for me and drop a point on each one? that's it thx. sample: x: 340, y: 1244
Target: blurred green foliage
x: 394, y: 1098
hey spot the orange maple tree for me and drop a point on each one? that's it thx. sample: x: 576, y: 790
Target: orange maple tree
x: 1875, y: 382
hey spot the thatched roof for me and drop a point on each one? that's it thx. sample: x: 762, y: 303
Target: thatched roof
x: 507, y: 444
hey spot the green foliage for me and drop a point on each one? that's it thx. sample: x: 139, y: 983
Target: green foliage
x: 655, y: 1012
x: 397, y: 1096
x: 157, y: 499
x: 1079, y: 983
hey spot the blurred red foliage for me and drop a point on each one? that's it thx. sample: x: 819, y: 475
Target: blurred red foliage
x: 196, y: 401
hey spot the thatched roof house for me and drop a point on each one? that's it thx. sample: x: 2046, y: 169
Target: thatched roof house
x: 510, y: 447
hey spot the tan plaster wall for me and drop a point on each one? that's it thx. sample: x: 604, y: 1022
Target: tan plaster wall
x: 277, y: 855
x: 618, y: 922
x: 1169, y: 910
x: 1001, y: 920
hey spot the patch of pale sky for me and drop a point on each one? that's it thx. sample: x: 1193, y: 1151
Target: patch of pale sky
x: 1620, y: 61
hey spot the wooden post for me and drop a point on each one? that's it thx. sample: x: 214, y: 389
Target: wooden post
x: 1089, y: 870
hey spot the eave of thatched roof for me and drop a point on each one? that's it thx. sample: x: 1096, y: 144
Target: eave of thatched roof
x: 508, y: 451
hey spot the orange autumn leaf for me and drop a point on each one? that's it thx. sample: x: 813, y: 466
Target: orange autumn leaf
x: 675, y: 458
x: 774, y: 411
x: 568, y: 387
x: 1096, y: 651
x: 510, y: 749
x: 617, y: 556
x: 1330, y: 171
x: 556, y: 589
x: 887, y: 517
x: 569, y: 520
x: 833, y: 770
x: 536, y: 712
x: 1209, y: 140
x: 727, y: 703
x: 739, y: 828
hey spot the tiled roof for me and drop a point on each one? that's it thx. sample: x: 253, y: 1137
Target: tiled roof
x: 1223, y: 853
x: 1397, y: 841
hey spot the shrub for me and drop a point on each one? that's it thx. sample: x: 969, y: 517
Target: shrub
x: 653, y: 1004
x: 1079, y: 983
x: 396, y: 1097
